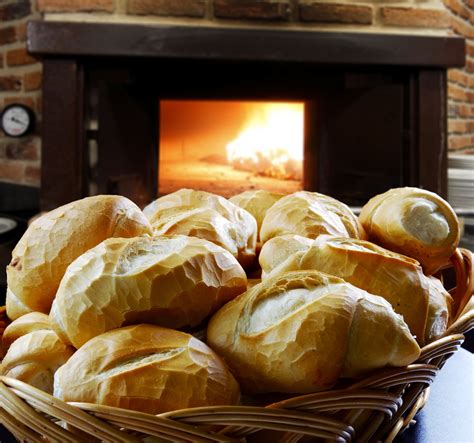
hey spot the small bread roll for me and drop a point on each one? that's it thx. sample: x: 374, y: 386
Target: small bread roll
x: 413, y: 222
x: 276, y: 250
x: 299, y: 332
x: 310, y: 214
x: 257, y: 203
x: 56, y: 239
x: 174, y: 281
x: 34, y: 321
x: 35, y: 357
x: 146, y: 368
x: 208, y: 216
x: 424, y: 305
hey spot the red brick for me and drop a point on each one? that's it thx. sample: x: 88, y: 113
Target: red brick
x: 32, y: 80
x: 336, y: 13
x: 252, y: 10
x: 187, y: 8
x: 27, y: 101
x: 460, y: 126
x: 12, y: 171
x: 17, y: 57
x: 469, y: 66
x: 456, y: 92
x: 7, y: 35
x: 14, y: 11
x: 21, y: 31
x: 462, y: 27
x: 414, y: 17
x: 22, y: 149
x: 460, y: 110
x: 458, y: 76
x: 75, y: 5
x: 470, y: 49
x: 460, y: 141
x: 32, y: 175
x: 10, y: 83
x: 458, y: 8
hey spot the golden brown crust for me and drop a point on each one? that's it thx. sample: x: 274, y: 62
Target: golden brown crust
x: 310, y: 214
x: 57, y: 238
x: 276, y: 250
x: 34, y: 358
x: 257, y: 203
x: 413, y: 222
x: 146, y: 368
x: 173, y: 281
x: 207, y: 216
x: 33, y: 321
x: 397, y: 278
x: 300, y: 331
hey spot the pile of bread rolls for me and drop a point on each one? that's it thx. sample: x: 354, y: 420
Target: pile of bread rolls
x: 108, y: 301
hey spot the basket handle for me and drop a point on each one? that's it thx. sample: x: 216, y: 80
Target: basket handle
x: 461, y: 261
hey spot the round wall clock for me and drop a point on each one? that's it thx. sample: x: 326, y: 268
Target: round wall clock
x: 17, y: 120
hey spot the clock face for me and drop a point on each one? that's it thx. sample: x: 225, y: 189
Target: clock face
x: 16, y: 120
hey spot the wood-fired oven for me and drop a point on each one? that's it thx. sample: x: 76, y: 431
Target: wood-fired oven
x: 372, y: 108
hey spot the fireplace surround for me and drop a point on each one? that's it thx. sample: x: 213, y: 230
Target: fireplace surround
x: 375, y: 104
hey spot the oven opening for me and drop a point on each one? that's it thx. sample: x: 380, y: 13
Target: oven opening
x: 227, y: 147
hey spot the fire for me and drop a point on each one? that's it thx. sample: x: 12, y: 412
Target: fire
x: 271, y: 144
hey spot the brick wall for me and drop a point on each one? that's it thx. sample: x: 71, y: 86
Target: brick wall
x: 20, y: 82
x: 461, y: 81
x: 366, y: 15
x: 20, y: 76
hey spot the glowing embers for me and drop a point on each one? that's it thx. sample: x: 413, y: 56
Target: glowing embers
x: 271, y: 143
x: 229, y: 147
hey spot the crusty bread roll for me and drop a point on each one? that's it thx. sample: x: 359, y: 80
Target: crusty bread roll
x: 174, y: 281
x: 424, y: 305
x: 413, y: 222
x: 257, y: 203
x: 146, y: 368
x: 310, y: 214
x: 57, y: 238
x: 34, y: 321
x: 15, y: 307
x: 276, y: 250
x: 34, y: 358
x: 208, y: 216
x: 299, y: 332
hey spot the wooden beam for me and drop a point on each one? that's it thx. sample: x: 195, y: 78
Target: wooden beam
x: 63, y: 154
x: 243, y: 44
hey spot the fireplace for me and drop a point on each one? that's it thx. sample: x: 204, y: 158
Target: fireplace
x: 229, y: 147
x: 372, y: 110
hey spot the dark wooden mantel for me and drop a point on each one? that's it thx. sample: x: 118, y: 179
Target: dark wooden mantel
x: 211, y: 43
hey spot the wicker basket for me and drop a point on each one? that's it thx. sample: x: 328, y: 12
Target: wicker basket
x: 376, y: 408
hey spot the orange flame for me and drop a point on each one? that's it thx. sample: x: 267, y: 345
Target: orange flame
x: 272, y: 142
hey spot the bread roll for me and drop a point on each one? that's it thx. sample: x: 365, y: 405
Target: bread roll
x: 34, y: 321
x: 35, y: 357
x: 310, y: 214
x: 424, y: 305
x: 146, y: 368
x: 15, y: 307
x: 299, y: 332
x: 413, y: 222
x: 208, y: 216
x: 257, y: 203
x: 174, y: 281
x: 276, y: 250
x: 57, y: 238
